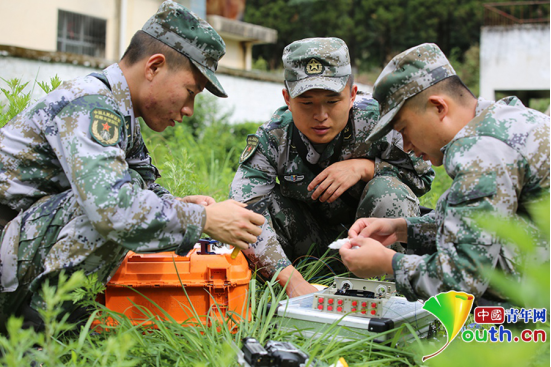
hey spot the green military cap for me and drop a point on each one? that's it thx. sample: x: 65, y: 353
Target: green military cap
x: 316, y: 63
x: 191, y: 36
x: 406, y: 75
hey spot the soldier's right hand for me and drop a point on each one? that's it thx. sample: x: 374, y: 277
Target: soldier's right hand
x: 385, y: 230
x: 229, y: 222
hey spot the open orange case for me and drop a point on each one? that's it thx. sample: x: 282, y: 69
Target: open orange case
x: 188, y: 288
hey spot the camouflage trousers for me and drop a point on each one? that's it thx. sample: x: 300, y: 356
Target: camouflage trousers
x: 296, y: 229
x: 54, y: 235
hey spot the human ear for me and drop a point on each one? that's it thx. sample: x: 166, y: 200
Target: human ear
x: 353, y: 94
x: 440, y: 105
x: 153, y: 65
x: 287, y: 98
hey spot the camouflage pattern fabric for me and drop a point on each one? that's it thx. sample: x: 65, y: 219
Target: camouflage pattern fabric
x: 316, y: 63
x: 274, y: 169
x: 191, y: 36
x: 499, y: 163
x: 55, y: 234
x: 75, y: 167
x: 407, y: 74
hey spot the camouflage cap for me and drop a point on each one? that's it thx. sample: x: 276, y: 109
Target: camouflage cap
x: 316, y: 63
x: 191, y: 36
x: 406, y: 75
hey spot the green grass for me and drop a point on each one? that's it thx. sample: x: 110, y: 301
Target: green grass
x: 200, y: 157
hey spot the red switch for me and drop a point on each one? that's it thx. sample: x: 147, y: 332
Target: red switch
x: 354, y: 303
x: 373, y: 312
x: 363, y: 311
x: 373, y: 305
x: 320, y: 307
x: 353, y: 310
x: 339, y: 308
x: 329, y: 308
x: 339, y: 302
x: 320, y: 300
x: 330, y: 301
x: 364, y: 304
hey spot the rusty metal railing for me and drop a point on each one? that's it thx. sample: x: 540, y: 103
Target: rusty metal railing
x: 516, y: 12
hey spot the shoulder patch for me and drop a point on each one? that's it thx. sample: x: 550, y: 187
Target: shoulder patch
x: 106, y: 126
x: 252, y: 144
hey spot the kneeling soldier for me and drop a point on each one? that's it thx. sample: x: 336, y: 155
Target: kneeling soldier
x: 77, y: 187
x: 313, y: 163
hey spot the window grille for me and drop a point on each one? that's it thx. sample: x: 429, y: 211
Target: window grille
x: 81, y: 34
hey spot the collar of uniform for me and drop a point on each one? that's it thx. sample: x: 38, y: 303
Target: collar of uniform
x: 120, y: 89
x: 313, y: 156
x: 481, y: 105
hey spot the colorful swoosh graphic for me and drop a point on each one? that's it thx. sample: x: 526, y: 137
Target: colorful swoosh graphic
x: 452, y: 309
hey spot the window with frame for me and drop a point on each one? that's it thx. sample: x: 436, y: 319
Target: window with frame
x: 81, y: 34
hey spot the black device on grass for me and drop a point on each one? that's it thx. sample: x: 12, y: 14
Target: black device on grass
x: 273, y: 354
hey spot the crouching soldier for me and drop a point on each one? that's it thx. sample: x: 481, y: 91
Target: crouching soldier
x: 314, y: 166
x: 497, y: 154
x: 77, y: 186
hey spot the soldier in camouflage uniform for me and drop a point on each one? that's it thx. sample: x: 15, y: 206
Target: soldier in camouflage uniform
x: 497, y: 154
x: 77, y: 186
x: 312, y: 164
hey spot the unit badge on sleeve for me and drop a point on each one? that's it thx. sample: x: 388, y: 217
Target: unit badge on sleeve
x: 252, y: 144
x: 106, y: 126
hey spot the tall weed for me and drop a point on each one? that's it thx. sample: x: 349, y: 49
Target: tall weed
x: 199, y: 158
x: 17, y: 99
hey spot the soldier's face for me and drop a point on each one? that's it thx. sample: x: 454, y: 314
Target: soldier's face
x: 170, y: 95
x: 422, y: 133
x: 321, y: 114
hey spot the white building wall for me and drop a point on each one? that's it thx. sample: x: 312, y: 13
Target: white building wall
x: 514, y: 58
x: 250, y: 100
x: 42, y: 14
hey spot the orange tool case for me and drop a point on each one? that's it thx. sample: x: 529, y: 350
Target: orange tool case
x: 199, y: 284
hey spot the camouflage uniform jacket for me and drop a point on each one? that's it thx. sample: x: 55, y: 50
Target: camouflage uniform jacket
x: 275, y: 158
x: 49, y: 148
x: 499, y: 163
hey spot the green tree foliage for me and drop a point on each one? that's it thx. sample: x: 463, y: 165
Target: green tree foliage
x: 375, y: 30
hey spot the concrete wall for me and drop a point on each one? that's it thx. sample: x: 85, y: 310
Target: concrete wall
x: 43, y: 14
x: 234, y: 55
x: 514, y: 58
x: 250, y: 100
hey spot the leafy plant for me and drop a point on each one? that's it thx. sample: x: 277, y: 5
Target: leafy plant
x: 17, y: 99
x: 441, y: 183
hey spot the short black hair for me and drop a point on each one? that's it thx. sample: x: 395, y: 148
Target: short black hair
x: 452, y: 86
x: 143, y: 45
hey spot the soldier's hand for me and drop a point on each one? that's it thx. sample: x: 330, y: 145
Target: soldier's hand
x: 229, y: 222
x: 296, y: 284
x: 198, y: 199
x: 370, y: 259
x: 333, y: 181
x: 384, y: 230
